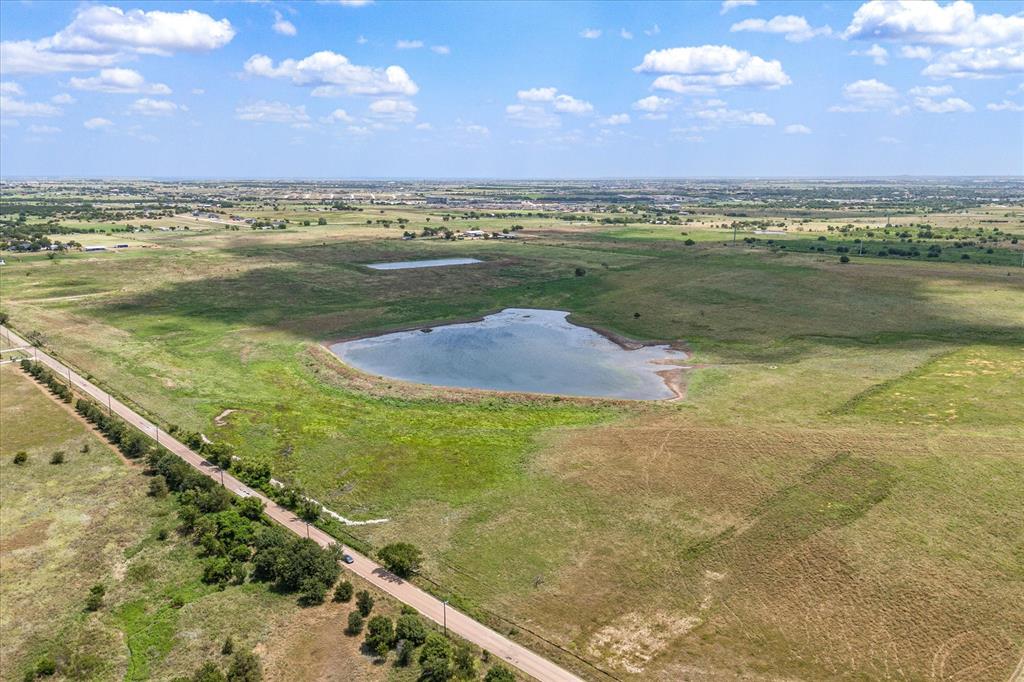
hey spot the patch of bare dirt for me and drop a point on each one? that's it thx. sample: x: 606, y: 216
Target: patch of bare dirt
x: 29, y: 536
x: 633, y: 640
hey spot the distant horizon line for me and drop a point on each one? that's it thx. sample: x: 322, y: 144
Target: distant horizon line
x: 485, y: 178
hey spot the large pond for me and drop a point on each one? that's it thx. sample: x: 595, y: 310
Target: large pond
x: 435, y: 263
x: 518, y: 349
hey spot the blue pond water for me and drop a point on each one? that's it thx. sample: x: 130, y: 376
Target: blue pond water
x: 436, y: 263
x: 518, y: 349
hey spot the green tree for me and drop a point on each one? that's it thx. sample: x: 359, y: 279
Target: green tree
x: 411, y: 628
x: 380, y: 634
x: 465, y: 663
x: 343, y: 592
x: 499, y: 673
x: 158, y: 487
x: 229, y: 646
x: 219, y: 454
x: 95, y: 599
x: 401, y: 558
x: 245, y: 667
x: 20, y: 457
x: 208, y: 672
x: 364, y: 602
x: 355, y: 623
x: 57, y: 457
x: 436, y: 659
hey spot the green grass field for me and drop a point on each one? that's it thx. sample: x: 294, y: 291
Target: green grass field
x: 810, y: 510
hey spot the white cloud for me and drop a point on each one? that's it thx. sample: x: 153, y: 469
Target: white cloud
x: 43, y: 130
x: 730, y: 5
x: 794, y: 28
x: 797, y: 129
x: 156, y: 107
x: 424, y: 126
x: 283, y: 26
x: 625, y: 35
x: 927, y: 22
x: 198, y: 91
x: 916, y: 52
x: 615, y: 120
x: 723, y: 116
x: 11, y: 88
x: 1005, y: 105
x: 570, y: 105
x: 98, y: 123
x: 885, y: 139
x: 338, y: 116
x: 335, y: 75
x: 119, y: 81
x: 931, y: 91
x: 537, y: 94
x: 100, y: 36
x: 441, y: 49
x: 711, y: 66
x: 977, y: 63
x: 361, y: 40
x: 590, y: 33
x: 409, y: 44
x: 879, y: 55
x: 16, y: 108
x: 474, y: 129
x: 398, y: 110
x: 653, y: 30
x: 867, y: 95
x: 947, y: 106
x: 531, y: 116
x: 352, y: 3
x: 653, y: 104
x: 272, y: 112
x: 62, y: 98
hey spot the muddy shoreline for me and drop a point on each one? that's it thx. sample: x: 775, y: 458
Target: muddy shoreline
x: 672, y: 376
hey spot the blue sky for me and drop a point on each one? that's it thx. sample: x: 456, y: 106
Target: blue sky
x: 511, y: 90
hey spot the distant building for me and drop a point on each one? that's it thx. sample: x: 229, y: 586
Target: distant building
x: 94, y: 248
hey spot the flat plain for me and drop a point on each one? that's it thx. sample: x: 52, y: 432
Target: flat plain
x: 837, y: 496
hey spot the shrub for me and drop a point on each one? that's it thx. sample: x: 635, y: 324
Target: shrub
x: 57, y: 457
x: 245, y: 667
x: 465, y: 663
x: 46, y: 666
x: 401, y: 558
x: 21, y: 457
x: 158, y: 487
x: 404, y: 651
x: 364, y: 602
x: 436, y: 659
x: 229, y: 646
x: 95, y: 599
x: 343, y: 592
x: 217, y: 571
x: 355, y: 623
x: 844, y: 259
x: 499, y: 673
x: 411, y: 629
x: 580, y: 272
x: 208, y: 672
x: 380, y: 633
x: 689, y: 242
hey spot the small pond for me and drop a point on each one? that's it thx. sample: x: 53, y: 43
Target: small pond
x: 518, y: 349
x: 436, y: 263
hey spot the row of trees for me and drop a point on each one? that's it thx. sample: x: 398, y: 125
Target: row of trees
x: 43, y: 375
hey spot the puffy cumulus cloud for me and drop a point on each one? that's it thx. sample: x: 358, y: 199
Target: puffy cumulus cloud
x: 949, y: 105
x: 409, y: 44
x: 531, y: 116
x: 927, y: 22
x: 156, y: 107
x: 730, y: 5
x: 794, y: 28
x: 537, y: 94
x: 11, y: 88
x: 12, y: 107
x: 333, y: 74
x: 879, y: 55
x: 1005, y: 105
x: 689, y: 69
x: 568, y: 104
x: 397, y: 110
x: 272, y: 112
x: 97, y: 123
x: 591, y: 33
x: 100, y: 36
x: 867, y: 95
x: 615, y: 120
x: 283, y: 26
x: 62, y: 98
x: 977, y: 63
x: 119, y: 81
x: 338, y: 116
x: 797, y: 129
x: 734, y: 117
x: 653, y: 104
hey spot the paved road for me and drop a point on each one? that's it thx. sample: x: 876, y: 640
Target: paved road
x: 428, y: 605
